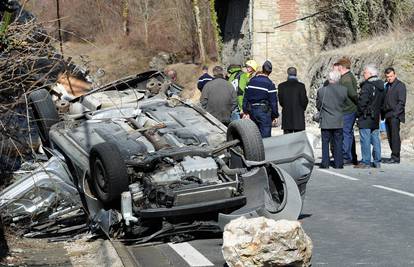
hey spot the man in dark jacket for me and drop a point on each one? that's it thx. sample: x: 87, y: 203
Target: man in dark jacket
x: 394, y: 112
x: 219, y: 97
x: 330, y: 101
x: 260, y: 101
x: 370, y: 102
x: 204, y: 78
x: 293, y: 100
x: 349, y: 81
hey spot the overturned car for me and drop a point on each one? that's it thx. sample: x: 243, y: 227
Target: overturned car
x: 136, y: 149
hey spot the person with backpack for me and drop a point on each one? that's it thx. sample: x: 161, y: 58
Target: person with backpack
x: 239, y: 79
x: 370, y: 103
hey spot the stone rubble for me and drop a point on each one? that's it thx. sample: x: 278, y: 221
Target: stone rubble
x: 265, y: 242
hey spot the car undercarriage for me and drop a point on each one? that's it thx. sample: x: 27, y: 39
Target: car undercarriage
x: 145, y: 162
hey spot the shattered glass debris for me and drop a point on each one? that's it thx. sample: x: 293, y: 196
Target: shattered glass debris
x: 44, y: 202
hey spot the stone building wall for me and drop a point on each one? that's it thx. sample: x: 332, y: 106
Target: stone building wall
x: 292, y: 45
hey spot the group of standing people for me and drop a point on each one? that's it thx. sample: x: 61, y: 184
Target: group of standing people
x: 240, y: 94
x: 251, y: 94
x: 341, y: 107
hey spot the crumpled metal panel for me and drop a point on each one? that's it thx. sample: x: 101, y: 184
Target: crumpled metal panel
x: 294, y: 154
x: 46, y: 190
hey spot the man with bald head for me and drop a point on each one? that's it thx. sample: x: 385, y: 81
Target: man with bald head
x: 293, y: 100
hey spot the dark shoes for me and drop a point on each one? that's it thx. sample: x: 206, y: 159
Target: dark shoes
x: 348, y: 162
x: 362, y: 166
x: 323, y: 167
x: 376, y: 165
x: 391, y: 161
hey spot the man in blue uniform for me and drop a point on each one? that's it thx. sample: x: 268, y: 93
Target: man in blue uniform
x: 260, y: 101
x: 205, y: 78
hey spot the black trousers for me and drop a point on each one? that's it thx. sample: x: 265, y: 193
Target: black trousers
x: 393, y: 134
x: 337, y: 136
x: 353, y: 151
x: 291, y: 131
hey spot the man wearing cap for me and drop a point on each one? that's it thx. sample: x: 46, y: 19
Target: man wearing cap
x: 219, y: 97
x: 260, y: 100
x: 204, y: 78
x: 251, y: 68
x: 239, y: 79
x: 293, y: 100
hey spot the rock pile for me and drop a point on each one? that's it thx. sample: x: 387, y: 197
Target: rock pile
x: 265, y: 242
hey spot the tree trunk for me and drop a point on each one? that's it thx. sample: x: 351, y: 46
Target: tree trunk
x: 199, y: 31
x: 125, y: 14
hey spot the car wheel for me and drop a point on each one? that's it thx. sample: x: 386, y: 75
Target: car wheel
x: 108, y: 172
x: 44, y: 113
x: 249, y: 135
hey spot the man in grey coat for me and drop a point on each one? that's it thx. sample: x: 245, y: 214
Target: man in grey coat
x: 219, y: 97
x: 330, y: 101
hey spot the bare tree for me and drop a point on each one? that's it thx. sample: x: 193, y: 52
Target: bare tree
x: 125, y: 15
x: 146, y: 11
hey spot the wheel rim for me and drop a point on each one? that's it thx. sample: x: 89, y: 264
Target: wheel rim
x: 100, y: 176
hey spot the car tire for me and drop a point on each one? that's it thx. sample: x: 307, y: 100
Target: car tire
x: 108, y: 172
x: 249, y: 135
x: 44, y: 113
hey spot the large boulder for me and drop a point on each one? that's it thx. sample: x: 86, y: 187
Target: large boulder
x: 265, y: 242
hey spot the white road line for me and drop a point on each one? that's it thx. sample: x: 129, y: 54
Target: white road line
x: 191, y: 255
x: 394, y: 190
x: 340, y: 175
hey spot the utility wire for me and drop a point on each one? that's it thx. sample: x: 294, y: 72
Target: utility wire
x: 306, y: 17
x: 59, y: 26
x: 61, y: 44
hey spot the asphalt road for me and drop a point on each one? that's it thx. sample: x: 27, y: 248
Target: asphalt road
x: 354, y: 218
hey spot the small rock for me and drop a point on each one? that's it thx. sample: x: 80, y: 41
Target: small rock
x: 160, y: 61
x: 17, y: 250
x: 265, y: 242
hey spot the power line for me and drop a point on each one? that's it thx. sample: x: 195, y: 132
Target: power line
x: 306, y: 17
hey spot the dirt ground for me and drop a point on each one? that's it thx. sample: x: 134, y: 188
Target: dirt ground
x: 84, y: 251
x: 117, y: 62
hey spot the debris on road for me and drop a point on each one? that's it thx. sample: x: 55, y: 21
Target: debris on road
x: 85, y: 251
x: 44, y: 203
x: 265, y: 242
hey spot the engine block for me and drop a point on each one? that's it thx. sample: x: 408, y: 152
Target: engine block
x: 203, y: 168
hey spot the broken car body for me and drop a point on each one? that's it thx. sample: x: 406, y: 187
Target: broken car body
x: 134, y: 148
